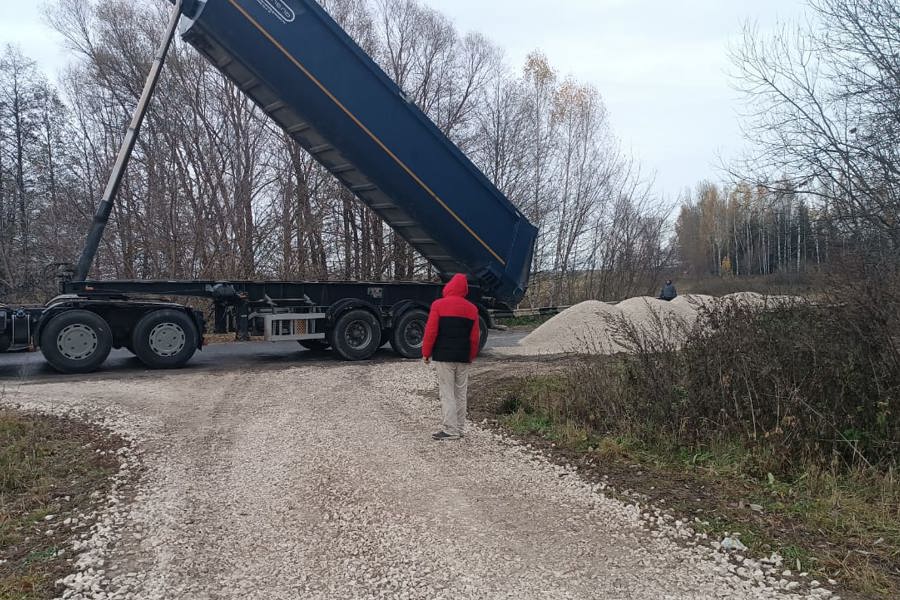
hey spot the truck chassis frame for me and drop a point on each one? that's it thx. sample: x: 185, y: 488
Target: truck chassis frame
x: 76, y: 330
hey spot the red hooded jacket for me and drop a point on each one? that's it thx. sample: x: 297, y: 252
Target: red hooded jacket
x: 452, y: 333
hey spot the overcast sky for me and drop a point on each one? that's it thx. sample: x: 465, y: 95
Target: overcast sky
x: 661, y: 65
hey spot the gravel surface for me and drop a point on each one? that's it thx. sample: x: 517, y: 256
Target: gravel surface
x: 322, y: 482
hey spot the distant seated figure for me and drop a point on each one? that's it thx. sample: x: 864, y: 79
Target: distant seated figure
x: 668, y: 292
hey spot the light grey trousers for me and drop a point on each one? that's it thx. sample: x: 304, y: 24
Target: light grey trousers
x: 453, y: 379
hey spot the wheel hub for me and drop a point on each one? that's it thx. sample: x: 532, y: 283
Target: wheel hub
x: 77, y: 342
x: 414, y: 334
x: 167, y: 339
x: 358, y: 335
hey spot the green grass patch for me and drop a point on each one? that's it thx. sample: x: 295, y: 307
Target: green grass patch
x: 524, y: 423
x: 48, y: 468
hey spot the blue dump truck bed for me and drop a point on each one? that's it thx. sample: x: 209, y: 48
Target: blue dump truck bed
x: 309, y: 76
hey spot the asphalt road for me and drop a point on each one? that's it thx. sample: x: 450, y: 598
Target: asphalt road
x: 244, y: 355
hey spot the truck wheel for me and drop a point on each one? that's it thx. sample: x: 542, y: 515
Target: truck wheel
x: 483, y: 328
x: 164, y: 339
x: 5, y: 343
x: 409, y: 333
x: 315, y: 345
x: 356, y: 335
x: 76, y: 341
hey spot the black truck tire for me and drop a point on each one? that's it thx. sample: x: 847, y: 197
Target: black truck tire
x: 5, y: 342
x: 76, y: 341
x: 356, y: 335
x: 164, y: 339
x: 409, y: 333
x: 483, y: 328
x: 315, y: 345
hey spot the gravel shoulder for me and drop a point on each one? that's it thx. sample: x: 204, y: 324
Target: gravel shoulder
x: 322, y: 482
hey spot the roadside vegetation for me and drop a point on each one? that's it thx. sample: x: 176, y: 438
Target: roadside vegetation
x: 49, y: 469
x: 780, y: 424
x: 529, y: 322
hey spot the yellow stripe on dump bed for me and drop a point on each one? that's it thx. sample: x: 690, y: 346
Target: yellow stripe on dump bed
x: 359, y: 123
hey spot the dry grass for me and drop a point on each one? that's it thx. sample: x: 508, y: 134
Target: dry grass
x: 48, y: 466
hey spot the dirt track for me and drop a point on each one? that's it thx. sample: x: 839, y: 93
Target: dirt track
x: 322, y: 482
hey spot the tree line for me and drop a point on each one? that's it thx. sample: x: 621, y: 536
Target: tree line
x: 821, y: 182
x: 215, y: 191
x: 745, y: 230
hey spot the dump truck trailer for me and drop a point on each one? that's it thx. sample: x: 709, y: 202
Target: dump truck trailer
x: 310, y: 77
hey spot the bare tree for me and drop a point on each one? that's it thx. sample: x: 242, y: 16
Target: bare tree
x: 30, y: 161
x: 823, y: 114
x: 215, y: 190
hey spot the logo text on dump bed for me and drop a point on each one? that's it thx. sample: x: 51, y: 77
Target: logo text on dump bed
x: 280, y: 9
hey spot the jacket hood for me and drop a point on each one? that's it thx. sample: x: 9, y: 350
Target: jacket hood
x: 458, y: 286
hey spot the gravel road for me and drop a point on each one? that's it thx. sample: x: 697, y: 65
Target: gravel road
x: 321, y: 481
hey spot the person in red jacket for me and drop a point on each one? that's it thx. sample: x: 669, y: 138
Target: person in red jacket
x: 452, y: 341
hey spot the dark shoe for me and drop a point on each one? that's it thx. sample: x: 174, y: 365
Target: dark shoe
x: 440, y: 436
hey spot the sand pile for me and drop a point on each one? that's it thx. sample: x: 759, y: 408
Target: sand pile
x: 751, y: 299
x: 647, y: 311
x: 696, y: 301
x: 783, y: 301
x: 594, y: 327
x: 655, y: 319
x: 584, y: 328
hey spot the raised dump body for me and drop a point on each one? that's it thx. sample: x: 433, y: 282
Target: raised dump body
x: 308, y: 75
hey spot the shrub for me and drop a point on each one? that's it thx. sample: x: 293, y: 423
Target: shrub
x: 798, y: 381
